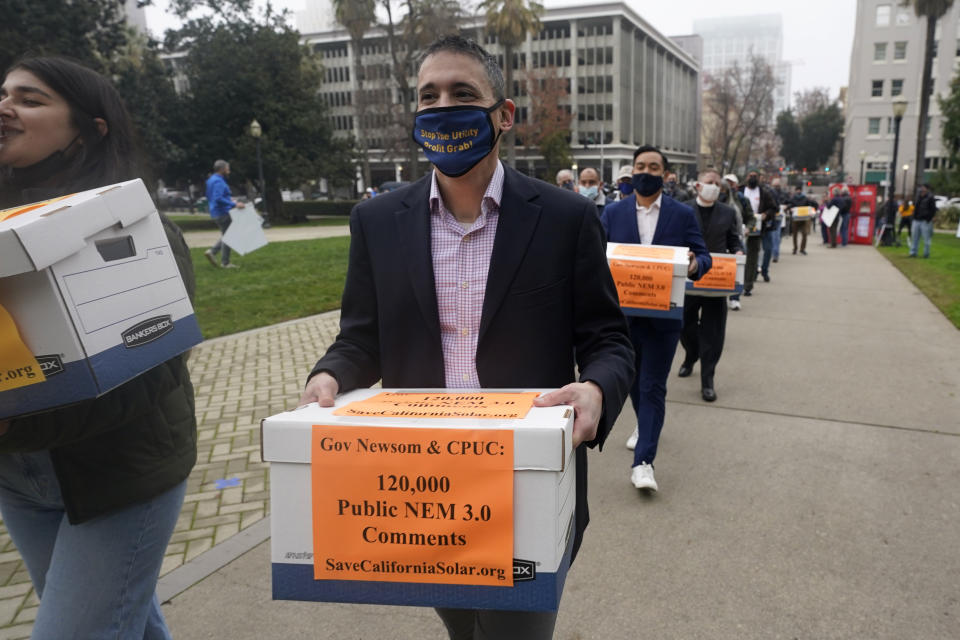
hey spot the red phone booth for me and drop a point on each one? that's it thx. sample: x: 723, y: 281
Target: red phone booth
x: 863, y: 218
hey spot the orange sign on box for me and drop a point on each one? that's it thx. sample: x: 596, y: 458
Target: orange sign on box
x: 643, y: 285
x: 413, y: 505
x: 20, y: 367
x: 722, y: 275
x: 643, y: 251
x: 511, y: 406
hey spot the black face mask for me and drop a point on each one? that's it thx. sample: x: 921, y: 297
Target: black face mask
x: 752, y: 183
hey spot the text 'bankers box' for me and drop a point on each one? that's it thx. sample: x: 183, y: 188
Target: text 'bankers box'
x: 421, y: 497
x: 90, y: 297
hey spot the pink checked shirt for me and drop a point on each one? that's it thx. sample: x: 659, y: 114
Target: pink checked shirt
x: 461, y: 261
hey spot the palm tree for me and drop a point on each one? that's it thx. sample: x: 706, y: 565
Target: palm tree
x: 932, y: 10
x: 510, y: 21
x: 357, y: 16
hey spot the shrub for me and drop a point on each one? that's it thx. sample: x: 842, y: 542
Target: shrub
x: 947, y: 218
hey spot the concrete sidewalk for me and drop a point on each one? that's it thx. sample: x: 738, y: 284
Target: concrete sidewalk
x: 274, y: 234
x: 815, y: 499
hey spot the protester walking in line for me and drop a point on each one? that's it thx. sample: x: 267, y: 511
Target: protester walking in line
x: 533, y: 303
x: 753, y: 240
x: 220, y: 203
x: 843, y: 203
x: 800, y: 226
x: 565, y: 180
x: 764, y: 204
x: 783, y: 199
x: 624, y: 182
x: 591, y: 188
x: 923, y: 215
x: 705, y: 317
x: 745, y: 220
x: 90, y: 493
x: 651, y: 217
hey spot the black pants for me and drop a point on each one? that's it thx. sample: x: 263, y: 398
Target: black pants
x: 704, y: 327
x: 753, y: 259
x: 469, y: 624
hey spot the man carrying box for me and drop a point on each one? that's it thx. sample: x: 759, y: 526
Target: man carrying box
x: 705, y: 318
x: 477, y: 276
x: 650, y: 217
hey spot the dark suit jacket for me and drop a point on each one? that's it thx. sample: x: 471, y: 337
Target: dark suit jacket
x: 676, y: 226
x: 720, y: 233
x: 550, y: 303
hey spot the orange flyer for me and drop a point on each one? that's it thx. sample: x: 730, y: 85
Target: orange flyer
x: 722, y: 275
x: 413, y: 505
x: 16, y: 211
x: 498, y: 406
x: 643, y: 251
x: 20, y: 367
x: 643, y: 285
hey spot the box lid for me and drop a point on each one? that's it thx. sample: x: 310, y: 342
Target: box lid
x: 41, y: 237
x: 677, y: 256
x: 543, y: 439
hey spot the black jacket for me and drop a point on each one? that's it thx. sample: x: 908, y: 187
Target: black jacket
x: 718, y: 224
x: 550, y: 305
x: 130, y: 444
x: 926, y: 208
x: 768, y: 209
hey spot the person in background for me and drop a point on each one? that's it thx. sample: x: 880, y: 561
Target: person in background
x: 906, y: 219
x: 565, y: 179
x: 764, y: 205
x: 651, y: 217
x: 841, y: 200
x: 90, y: 493
x: 705, y: 318
x: 675, y: 190
x: 624, y: 182
x: 783, y: 199
x: 591, y: 188
x: 800, y: 226
x: 220, y: 202
x: 923, y: 215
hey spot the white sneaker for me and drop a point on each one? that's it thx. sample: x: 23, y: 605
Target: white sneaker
x: 733, y: 305
x: 642, y: 477
x: 632, y: 440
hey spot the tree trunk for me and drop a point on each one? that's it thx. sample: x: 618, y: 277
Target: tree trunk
x: 361, y: 111
x: 510, y: 139
x: 921, y: 160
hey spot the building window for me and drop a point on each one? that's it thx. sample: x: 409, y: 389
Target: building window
x: 873, y: 127
x: 890, y: 126
x: 879, y: 51
x: 903, y: 16
x: 876, y: 89
x: 896, y: 87
x: 883, y: 15
x: 936, y: 48
x: 900, y: 50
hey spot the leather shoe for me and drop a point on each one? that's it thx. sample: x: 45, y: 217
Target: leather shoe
x: 708, y: 394
x: 685, y: 370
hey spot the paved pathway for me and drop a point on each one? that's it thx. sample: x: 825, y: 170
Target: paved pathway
x: 274, y: 234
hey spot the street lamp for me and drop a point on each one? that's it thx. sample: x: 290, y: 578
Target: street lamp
x: 256, y: 132
x: 899, y: 108
x: 906, y: 167
x: 863, y: 156
x: 576, y: 175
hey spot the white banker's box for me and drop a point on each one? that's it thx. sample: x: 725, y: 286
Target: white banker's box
x: 93, y: 288
x: 543, y: 504
x: 657, y: 254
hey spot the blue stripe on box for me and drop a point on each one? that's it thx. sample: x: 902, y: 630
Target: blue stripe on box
x: 295, y: 582
x: 727, y: 292
x: 118, y: 364
x: 73, y: 384
x: 676, y: 313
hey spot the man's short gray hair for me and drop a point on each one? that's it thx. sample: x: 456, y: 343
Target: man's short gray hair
x: 564, y: 175
x: 220, y: 165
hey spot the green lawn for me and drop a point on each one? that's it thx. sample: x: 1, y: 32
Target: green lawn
x: 203, y: 222
x: 938, y: 277
x: 281, y: 281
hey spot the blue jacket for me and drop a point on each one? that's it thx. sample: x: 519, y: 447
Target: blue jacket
x: 676, y: 226
x: 218, y: 196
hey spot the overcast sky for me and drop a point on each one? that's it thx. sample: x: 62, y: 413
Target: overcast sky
x: 817, y: 34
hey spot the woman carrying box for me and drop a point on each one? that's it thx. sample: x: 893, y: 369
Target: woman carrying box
x: 90, y: 493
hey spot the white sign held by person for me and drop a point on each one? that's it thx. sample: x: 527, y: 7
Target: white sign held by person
x: 829, y: 215
x: 245, y: 233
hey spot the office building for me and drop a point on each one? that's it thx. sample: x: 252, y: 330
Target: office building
x: 628, y: 85
x: 886, y: 65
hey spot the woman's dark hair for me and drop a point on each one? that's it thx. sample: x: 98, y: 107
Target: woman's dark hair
x: 101, y: 159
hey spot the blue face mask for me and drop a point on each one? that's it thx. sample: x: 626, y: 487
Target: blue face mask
x: 647, y: 184
x: 589, y: 192
x: 626, y: 188
x: 455, y: 139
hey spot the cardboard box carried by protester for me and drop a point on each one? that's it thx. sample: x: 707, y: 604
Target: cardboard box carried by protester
x: 649, y: 278
x: 90, y: 297
x: 725, y: 277
x: 345, y: 532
